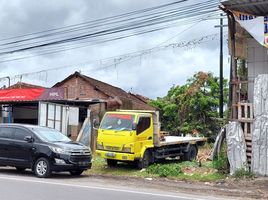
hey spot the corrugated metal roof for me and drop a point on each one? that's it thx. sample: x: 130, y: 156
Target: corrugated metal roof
x: 255, y: 7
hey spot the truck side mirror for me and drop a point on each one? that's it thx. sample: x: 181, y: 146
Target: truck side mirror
x: 134, y: 126
x: 95, y: 124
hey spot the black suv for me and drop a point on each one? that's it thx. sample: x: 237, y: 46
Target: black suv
x: 41, y: 149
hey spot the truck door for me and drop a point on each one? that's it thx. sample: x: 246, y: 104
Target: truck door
x: 144, y: 132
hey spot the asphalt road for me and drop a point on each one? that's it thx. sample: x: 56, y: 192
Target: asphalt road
x: 17, y: 186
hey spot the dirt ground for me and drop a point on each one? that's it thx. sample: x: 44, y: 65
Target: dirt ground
x: 255, y: 188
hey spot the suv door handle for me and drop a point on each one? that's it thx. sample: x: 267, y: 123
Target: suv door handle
x: 33, y: 148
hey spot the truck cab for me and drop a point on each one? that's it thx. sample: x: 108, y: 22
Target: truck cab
x: 124, y: 136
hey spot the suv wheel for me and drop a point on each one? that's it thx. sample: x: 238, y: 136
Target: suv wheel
x: 42, y: 168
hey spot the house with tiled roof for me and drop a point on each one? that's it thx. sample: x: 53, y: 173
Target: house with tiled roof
x: 22, y: 85
x: 80, y: 87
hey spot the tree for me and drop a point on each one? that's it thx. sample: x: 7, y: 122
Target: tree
x: 193, y: 107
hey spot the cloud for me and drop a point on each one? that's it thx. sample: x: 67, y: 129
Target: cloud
x: 150, y: 75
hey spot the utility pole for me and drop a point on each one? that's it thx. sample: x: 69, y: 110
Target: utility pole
x: 221, y: 67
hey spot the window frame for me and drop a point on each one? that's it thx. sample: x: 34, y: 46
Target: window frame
x: 143, y: 129
x: 29, y: 133
x: 10, y: 134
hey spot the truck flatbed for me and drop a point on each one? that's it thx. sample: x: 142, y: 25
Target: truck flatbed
x: 170, y: 140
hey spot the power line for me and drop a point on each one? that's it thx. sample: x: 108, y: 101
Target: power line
x: 98, y: 20
x: 130, y: 14
x: 126, y: 57
x: 136, y: 24
x: 57, y: 49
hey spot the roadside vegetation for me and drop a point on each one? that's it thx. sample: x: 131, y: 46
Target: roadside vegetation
x: 170, y: 169
x: 202, y: 170
x: 192, y: 107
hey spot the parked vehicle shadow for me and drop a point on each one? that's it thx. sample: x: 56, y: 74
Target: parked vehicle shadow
x: 13, y: 171
x: 133, y: 165
x: 29, y: 173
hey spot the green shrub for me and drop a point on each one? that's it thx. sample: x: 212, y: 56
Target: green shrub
x: 243, y: 173
x: 221, y: 163
x: 164, y: 170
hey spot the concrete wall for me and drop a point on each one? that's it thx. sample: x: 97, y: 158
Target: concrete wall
x: 257, y: 63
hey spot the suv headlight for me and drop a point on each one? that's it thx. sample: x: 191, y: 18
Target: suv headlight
x: 59, y: 150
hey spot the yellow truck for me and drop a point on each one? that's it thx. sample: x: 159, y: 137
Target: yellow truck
x: 134, y: 136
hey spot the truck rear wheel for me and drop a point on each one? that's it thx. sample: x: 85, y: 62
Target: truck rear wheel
x: 191, y: 154
x: 145, y: 161
x: 111, y: 162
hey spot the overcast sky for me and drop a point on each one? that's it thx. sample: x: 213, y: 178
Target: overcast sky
x: 150, y: 74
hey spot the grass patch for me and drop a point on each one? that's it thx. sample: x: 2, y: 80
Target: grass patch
x: 243, y: 173
x: 100, y: 167
x: 172, y: 169
x: 221, y: 163
x: 164, y: 170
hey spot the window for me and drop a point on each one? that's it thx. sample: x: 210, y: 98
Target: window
x: 82, y: 90
x: 20, y: 134
x: 144, y: 123
x: 5, y: 132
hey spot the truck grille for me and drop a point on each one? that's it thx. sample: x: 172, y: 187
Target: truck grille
x: 112, y: 148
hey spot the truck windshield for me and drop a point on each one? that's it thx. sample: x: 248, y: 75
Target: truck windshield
x: 118, y: 122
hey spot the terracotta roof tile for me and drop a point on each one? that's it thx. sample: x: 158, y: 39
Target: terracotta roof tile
x: 111, y: 91
x: 23, y: 85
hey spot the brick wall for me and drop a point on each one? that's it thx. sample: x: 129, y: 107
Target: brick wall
x: 79, y: 88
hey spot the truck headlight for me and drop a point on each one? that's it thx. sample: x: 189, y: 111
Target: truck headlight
x: 100, y: 146
x: 126, y: 149
x: 59, y: 150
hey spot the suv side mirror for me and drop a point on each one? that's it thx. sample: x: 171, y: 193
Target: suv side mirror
x: 95, y: 124
x: 134, y: 126
x: 29, y: 139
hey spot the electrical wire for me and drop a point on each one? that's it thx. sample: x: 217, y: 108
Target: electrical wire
x: 114, y: 30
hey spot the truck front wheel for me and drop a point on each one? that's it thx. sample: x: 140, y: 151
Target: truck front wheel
x: 191, y: 154
x: 111, y: 162
x: 145, y: 161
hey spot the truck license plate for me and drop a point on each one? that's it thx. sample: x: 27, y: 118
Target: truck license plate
x: 110, y: 154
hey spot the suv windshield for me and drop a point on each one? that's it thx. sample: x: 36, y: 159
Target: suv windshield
x: 119, y: 122
x: 50, y: 135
